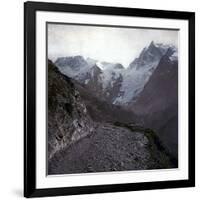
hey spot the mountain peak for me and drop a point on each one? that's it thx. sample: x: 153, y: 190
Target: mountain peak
x: 152, y: 43
x: 152, y: 46
x: 74, y: 62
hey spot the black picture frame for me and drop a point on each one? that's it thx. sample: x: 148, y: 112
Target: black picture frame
x: 30, y: 9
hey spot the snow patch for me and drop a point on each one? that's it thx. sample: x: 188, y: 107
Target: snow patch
x: 174, y: 56
x: 133, y: 82
x: 86, y: 81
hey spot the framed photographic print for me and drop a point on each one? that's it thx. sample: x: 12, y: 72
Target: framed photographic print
x: 109, y: 99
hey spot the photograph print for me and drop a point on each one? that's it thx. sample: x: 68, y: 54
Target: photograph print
x: 112, y: 94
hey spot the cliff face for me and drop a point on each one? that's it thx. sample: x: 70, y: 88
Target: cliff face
x: 68, y: 120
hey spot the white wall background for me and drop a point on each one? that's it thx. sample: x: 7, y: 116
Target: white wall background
x: 11, y: 100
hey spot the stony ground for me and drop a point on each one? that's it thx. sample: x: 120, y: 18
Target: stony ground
x: 110, y: 148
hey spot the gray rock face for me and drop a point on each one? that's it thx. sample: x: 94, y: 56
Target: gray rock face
x: 92, y: 80
x: 68, y: 120
x: 75, y: 63
x: 150, y: 54
x: 162, y: 87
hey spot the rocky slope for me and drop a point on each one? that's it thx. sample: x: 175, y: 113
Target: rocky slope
x: 158, y: 102
x: 102, y: 111
x: 68, y: 120
x: 111, y: 148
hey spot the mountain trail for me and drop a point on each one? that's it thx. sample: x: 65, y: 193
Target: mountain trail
x: 110, y: 148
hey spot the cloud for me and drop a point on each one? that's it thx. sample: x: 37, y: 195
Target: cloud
x: 111, y: 44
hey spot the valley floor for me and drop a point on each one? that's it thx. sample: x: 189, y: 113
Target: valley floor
x: 109, y: 148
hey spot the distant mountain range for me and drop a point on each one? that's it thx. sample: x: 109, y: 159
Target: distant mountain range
x: 111, y: 81
x: 147, y: 88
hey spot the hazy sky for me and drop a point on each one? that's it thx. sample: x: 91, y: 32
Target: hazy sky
x: 104, y: 43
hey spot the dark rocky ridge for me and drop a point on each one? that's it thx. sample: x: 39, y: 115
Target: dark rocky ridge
x: 68, y: 120
x: 158, y: 102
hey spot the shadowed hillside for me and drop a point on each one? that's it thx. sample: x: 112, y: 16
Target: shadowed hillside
x: 158, y: 102
x: 68, y: 120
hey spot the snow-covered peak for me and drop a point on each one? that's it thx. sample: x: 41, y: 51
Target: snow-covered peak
x: 140, y: 70
x: 110, y: 73
x: 125, y: 83
x: 73, y: 65
x: 150, y: 55
x: 100, y: 65
x: 164, y: 46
